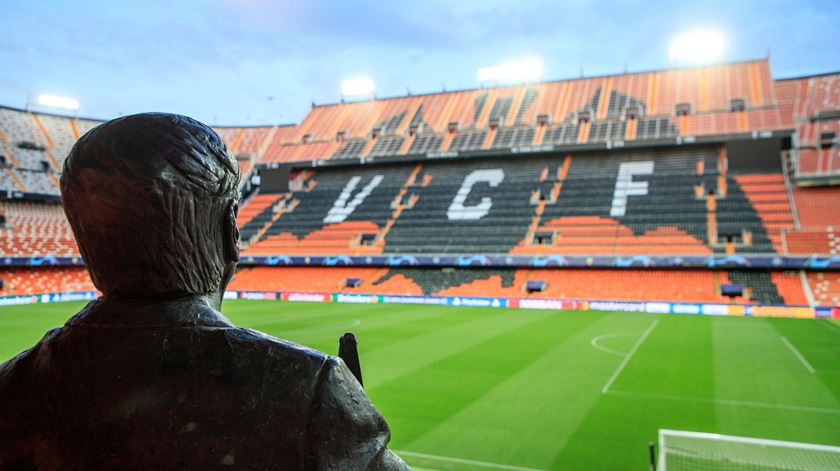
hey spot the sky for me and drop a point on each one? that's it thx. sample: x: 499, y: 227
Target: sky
x: 251, y: 62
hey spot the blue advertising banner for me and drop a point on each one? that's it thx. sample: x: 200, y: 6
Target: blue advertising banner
x: 761, y: 262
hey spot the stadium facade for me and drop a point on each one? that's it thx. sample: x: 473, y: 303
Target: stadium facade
x: 647, y: 191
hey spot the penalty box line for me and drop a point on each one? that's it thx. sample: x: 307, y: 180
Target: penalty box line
x: 449, y: 459
x: 627, y: 357
x: 728, y: 402
x: 798, y: 355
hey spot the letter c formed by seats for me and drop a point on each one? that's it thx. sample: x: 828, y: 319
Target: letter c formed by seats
x: 458, y: 212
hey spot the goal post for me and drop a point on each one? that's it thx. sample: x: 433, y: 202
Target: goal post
x: 695, y: 451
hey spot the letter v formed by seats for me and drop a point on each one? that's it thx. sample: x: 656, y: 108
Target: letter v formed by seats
x: 341, y: 208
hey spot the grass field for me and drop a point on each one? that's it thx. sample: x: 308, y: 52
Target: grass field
x: 471, y: 388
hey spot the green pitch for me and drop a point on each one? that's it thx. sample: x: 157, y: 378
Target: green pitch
x: 484, y: 389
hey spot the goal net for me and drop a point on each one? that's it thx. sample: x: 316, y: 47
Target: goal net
x: 694, y: 451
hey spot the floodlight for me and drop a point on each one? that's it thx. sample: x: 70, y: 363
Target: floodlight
x: 697, y: 47
x: 523, y: 70
x: 62, y: 102
x: 357, y: 86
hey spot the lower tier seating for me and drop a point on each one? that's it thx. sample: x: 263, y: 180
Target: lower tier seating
x: 825, y: 287
x: 700, y: 286
x: 819, y: 220
x: 35, y: 230
x: 590, y: 284
x: 26, y: 281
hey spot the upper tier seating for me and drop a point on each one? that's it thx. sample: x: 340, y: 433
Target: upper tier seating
x: 28, y: 150
x: 723, y: 99
x: 811, y: 105
x: 641, y: 203
x: 720, y: 100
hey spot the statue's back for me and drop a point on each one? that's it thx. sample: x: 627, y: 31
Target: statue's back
x: 98, y: 394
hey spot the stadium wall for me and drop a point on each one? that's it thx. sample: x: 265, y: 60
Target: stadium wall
x: 748, y: 310
x: 741, y: 310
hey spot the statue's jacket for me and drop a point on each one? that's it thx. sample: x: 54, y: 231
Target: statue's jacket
x: 175, y: 386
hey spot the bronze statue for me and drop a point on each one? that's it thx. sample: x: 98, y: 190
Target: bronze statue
x: 151, y: 375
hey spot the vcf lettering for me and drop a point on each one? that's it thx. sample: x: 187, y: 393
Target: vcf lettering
x: 341, y: 208
x: 458, y: 212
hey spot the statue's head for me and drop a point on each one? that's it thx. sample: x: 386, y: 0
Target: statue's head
x: 152, y: 199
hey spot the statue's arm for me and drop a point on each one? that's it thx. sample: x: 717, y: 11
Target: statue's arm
x: 345, y: 430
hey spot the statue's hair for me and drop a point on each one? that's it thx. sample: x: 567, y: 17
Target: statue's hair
x: 147, y: 197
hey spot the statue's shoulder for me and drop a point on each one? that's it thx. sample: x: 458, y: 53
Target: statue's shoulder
x: 279, y: 350
x: 15, y: 373
x: 29, y: 354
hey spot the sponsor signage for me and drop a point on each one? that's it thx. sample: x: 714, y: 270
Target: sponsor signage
x: 476, y: 302
x: 549, y: 304
x: 355, y: 298
x: 64, y: 297
x: 413, y: 300
x: 685, y: 308
x: 658, y: 308
x: 617, y: 306
x: 466, y: 301
x: 714, y: 309
x: 16, y: 300
x: 822, y: 312
x: 307, y: 297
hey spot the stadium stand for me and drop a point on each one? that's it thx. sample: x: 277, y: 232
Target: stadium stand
x: 826, y: 288
x: 29, y: 281
x: 769, y: 198
x: 601, y: 166
x: 812, y: 106
x: 36, y: 230
x: 534, y: 206
x: 592, y: 284
x: 819, y: 222
x: 591, y: 110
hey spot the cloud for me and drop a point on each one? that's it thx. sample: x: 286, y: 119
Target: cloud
x: 223, y: 58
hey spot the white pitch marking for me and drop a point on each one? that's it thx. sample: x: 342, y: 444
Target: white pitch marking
x: 356, y: 322
x: 595, y: 340
x: 449, y: 459
x: 628, y: 357
x: 798, y: 355
x: 729, y: 402
x: 831, y: 326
